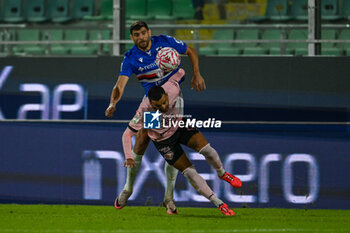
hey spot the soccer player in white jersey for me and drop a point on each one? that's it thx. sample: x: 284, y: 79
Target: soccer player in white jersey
x: 167, y: 140
x: 140, y: 60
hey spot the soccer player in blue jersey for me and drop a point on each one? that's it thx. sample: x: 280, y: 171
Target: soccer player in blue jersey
x: 141, y: 61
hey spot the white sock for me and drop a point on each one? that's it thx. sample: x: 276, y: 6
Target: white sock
x: 132, y: 172
x: 170, y: 174
x: 201, y: 185
x: 213, y: 159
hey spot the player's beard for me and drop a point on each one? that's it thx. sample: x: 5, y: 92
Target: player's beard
x: 145, y: 43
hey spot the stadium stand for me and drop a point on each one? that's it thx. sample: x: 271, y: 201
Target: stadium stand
x: 272, y: 34
x: 213, y: 49
x: 344, y: 35
x: 276, y: 10
x: 13, y: 11
x: 297, y: 48
x: 249, y: 48
x: 94, y: 16
x: 160, y: 10
x: 83, y: 8
x: 36, y: 11
x: 330, y: 10
x: 59, y: 11
x: 79, y: 49
x: 101, y: 35
x: 106, y: 11
x: 56, y: 35
x: 299, y: 10
x: 211, y: 12
x: 29, y: 35
x: 136, y: 10
x: 329, y: 49
x: 183, y: 9
x: 345, y: 10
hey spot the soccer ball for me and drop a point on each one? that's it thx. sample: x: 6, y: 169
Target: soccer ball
x: 168, y: 59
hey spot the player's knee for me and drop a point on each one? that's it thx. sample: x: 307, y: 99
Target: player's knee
x: 189, y: 171
x: 207, y: 150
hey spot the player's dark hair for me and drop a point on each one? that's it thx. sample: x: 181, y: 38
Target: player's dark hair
x: 137, y: 25
x: 155, y: 93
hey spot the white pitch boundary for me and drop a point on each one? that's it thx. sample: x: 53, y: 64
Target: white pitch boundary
x: 224, y: 122
x: 180, y: 231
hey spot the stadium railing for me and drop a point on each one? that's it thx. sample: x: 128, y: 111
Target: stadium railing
x: 8, y: 40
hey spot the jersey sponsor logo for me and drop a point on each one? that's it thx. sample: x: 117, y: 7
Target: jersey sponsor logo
x: 148, y: 67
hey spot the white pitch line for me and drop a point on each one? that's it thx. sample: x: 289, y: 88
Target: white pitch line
x: 174, y: 230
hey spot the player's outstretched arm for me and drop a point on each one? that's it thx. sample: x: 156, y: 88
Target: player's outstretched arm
x: 126, y: 139
x: 116, y: 95
x: 197, y: 80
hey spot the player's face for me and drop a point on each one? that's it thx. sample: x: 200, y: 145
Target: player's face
x: 162, y: 104
x: 142, y: 38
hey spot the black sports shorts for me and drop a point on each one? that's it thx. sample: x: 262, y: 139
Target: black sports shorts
x: 170, y: 148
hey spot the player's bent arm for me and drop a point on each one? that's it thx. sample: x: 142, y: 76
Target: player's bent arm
x: 126, y: 139
x: 118, y: 89
x: 116, y: 95
x: 177, y: 76
x: 192, y: 54
x: 197, y: 81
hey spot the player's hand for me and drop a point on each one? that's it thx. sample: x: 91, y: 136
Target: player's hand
x: 198, y: 83
x: 109, y: 111
x: 129, y: 163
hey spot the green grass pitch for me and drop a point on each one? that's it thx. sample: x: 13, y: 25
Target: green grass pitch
x: 106, y: 219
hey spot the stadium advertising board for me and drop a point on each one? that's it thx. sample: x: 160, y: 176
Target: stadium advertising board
x: 83, y: 163
x: 281, y: 166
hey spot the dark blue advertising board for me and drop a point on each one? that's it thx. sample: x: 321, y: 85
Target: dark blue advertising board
x: 301, y: 165
x: 83, y: 163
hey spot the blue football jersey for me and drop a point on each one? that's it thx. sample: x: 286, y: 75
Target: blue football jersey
x: 143, y: 64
